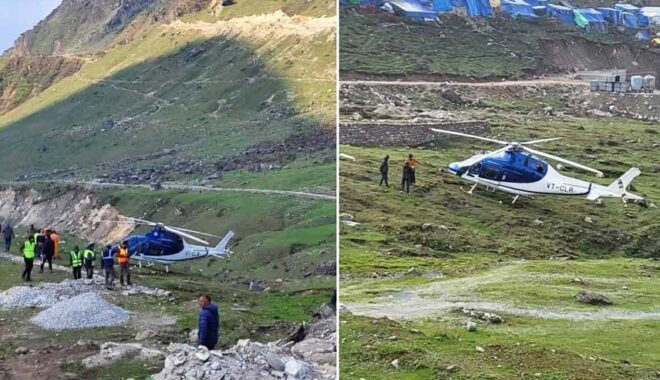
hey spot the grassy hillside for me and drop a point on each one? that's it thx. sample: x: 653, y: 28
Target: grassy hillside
x: 205, y: 94
x: 526, y: 260
x: 378, y: 44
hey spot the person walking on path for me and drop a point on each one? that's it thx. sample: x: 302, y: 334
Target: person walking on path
x: 384, y: 168
x: 76, y: 262
x: 89, y: 256
x: 123, y: 256
x: 8, y: 234
x: 27, y: 250
x: 209, y: 321
x: 407, y: 177
x: 47, y: 250
x: 108, y: 265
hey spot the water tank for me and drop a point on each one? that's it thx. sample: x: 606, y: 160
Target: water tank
x: 636, y: 82
x: 649, y: 82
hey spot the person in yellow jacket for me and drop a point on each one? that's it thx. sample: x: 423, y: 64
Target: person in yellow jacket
x: 89, y: 256
x: 76, y: 262
x: 27, y: 250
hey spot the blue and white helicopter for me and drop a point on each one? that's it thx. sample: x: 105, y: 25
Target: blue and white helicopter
x: 165, y: 244
x: 517, y: 169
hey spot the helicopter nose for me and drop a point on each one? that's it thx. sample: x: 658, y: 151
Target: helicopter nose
x: 454, y: 167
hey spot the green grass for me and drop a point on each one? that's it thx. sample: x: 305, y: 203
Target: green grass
x: 160, y: 98
x: 518, y: 349
x: 481, y: 48
x: 484, y: 237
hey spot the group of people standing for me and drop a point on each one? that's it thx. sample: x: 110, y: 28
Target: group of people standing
x: 44, y: 244
x: 408, y: 176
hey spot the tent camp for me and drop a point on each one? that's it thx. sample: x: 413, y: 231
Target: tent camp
x: 413, y: 9
x: 613, y: 16
x: 479, y: 8
x: 519, y: 8
x: 590, y: 20
x: 627, y: 8
x: 561, y: 13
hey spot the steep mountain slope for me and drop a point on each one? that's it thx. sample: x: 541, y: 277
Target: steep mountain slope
x: 173, y: 98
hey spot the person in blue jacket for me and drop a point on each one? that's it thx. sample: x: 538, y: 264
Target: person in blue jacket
x: 209, y: 321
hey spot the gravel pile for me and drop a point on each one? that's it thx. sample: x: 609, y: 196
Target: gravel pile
x: 46, y: 294
x: 24, y: 296
x: 86, y: 310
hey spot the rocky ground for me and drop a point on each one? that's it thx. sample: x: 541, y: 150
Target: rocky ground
x: 308, y: 353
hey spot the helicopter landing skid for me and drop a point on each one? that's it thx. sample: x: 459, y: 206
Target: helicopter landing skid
x: 471, y: 189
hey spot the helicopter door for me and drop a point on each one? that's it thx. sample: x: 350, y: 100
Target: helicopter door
x: 492, y: 173
x: 474, y: 169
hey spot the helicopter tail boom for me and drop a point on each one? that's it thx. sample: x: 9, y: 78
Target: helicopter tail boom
x: 618, y: 188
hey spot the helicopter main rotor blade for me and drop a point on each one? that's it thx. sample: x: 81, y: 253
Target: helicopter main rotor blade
x: 473, y: 160
x: 563, y: 160
x: 540, y: 141
x: 470, y: 136
x: 196, y: 232
x: 148, y: 222
x: 184, y: 234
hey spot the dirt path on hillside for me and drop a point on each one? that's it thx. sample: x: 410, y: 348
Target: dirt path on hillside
x: 562, y: 81
x: 274, y: 25
x: 443, y: 296
x: 176, y: 186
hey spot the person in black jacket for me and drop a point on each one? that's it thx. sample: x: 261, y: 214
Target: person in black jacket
x: 407, y: 177
x: 384, y: 168
x: 48, y: 251
x: 209, y: 321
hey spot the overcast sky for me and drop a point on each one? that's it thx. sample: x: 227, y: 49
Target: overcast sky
x: 18, y: 16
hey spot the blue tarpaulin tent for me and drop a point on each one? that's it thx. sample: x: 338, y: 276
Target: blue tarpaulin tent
x: 413, y: 9
x: 479, y: 8
x: 644, y: 35
x: 642, y: 21
x: 518, y: 8
x: 458, y: 3
x: 354, y: 3
x: 595, y: 19
x: 537, y: 3
x: 613, y: 16
x: 563, y: 14
x: 442, y: 5
x: 629, y: 20
x: 627, y: 8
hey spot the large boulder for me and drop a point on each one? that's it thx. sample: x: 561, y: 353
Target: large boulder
x: 593, y: 298
x: 316, y: 350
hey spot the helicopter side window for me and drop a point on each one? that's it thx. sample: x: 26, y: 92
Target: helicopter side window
x: 490, y: 172
x: 154, y: 250
x: 475, y: 169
